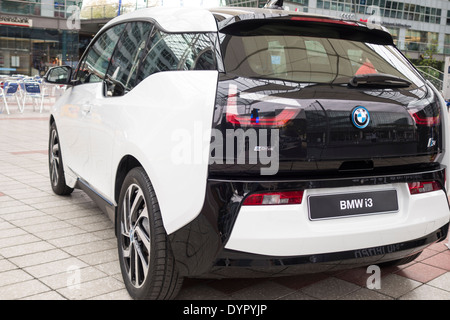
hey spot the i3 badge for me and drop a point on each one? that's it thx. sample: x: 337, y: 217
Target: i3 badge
x: 360, y: 117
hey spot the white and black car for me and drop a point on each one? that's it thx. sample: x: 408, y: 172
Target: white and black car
x: 240, y: 142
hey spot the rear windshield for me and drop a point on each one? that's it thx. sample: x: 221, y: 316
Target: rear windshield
x: 309, y: 59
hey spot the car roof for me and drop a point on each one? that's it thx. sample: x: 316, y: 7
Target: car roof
x: 196, y: 19
x: 170, y: 19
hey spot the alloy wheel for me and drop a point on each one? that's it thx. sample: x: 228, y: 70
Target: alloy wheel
x: 55, y: 160
x: 135, y: 233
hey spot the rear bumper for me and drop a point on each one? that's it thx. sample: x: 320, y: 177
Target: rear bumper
x: 238, y: 264
x: 216, y: 243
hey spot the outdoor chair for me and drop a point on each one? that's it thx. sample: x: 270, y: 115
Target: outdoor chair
x: 32, y: 89
x: 9, y: 90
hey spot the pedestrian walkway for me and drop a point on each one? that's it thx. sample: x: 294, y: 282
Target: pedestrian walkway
x: 54, y: 247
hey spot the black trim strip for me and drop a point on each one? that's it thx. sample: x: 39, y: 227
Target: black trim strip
x: 106, y: 206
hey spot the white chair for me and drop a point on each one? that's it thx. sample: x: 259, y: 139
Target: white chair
x: 10, y: 89
x: 32, y: 89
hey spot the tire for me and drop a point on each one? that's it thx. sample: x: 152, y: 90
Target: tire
x: 55, y: 164
x: 146, y: 260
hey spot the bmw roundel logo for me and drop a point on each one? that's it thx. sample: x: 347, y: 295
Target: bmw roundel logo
x: 360, y: 117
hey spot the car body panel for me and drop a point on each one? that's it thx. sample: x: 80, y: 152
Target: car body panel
x: 181, y: 118
x: 113, y: 127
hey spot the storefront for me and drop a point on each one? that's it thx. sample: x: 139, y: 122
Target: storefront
x: 34, y: 38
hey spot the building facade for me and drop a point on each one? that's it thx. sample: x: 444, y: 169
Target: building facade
x: 38, y: 34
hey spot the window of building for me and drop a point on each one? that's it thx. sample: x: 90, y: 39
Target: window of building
x: 420, y: 40
x: 394, y: 33
x: 301, y: 2
x: 388, y: 9
x: 36, y: 49
x: 56, y: 9
x: 447, y: 44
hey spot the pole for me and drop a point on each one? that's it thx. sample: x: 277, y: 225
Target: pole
x: 120, y: 4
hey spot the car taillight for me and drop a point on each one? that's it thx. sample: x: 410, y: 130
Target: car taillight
x: 423, y: 187
x: 274, y: 198
x: 425, y: 121
x: 255, y: 117
x: 324, y: 20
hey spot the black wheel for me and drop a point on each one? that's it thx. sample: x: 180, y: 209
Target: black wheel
x: 55, y: 164
x: 146, y: 260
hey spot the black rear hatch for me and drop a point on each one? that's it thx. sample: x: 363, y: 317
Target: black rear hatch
x: 303, y: 104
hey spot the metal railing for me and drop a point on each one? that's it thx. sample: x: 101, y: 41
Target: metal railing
x: 436, y: 77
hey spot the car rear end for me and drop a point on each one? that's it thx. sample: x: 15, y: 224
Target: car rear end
x: 328, y: 150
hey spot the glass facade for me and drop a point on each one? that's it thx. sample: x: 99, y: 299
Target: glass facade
x: 420, y: 40
x: 260, y: 3
x: 44, y: 8
x: 246, y: 3
x: 29, y: 49
x: 32, y: 51
x: 447, y: 44
x: 387, y: 9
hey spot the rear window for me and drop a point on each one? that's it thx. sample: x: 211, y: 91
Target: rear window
x: 288, y: 55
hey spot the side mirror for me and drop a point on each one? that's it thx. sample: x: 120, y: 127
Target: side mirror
x: 58, y: 75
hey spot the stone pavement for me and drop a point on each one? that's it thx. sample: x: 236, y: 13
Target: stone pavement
x: 54, y: 247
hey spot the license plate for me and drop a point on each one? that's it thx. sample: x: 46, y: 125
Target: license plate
x: 352, y: 204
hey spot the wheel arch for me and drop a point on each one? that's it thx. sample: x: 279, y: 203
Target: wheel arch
x: 126, y: 164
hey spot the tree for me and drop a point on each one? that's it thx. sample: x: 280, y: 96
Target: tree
x: 104, y: 9
x: 427, y: 59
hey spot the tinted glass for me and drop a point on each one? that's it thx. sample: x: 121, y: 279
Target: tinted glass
x: 281, y: 54
x: 95, y: 63
x: 124, y: 66
x: 185, y: 51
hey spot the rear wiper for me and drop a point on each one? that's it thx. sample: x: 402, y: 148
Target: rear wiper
x: 378, y: 80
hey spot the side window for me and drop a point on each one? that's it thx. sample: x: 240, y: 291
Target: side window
x: 96, y: 61
x: 178, y: 51
x: 122, y: 73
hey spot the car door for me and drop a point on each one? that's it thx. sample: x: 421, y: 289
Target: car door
x: 88, y: 80
x: 109, y: 108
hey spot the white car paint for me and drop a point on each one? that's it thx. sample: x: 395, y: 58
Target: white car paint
x: 287, y: 230
x: 171, y: 122
x: 173, y: 19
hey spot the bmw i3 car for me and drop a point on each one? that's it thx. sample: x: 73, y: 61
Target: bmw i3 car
x: 243, y: 142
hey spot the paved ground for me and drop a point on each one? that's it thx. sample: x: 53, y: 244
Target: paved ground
x: 55, y: 247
